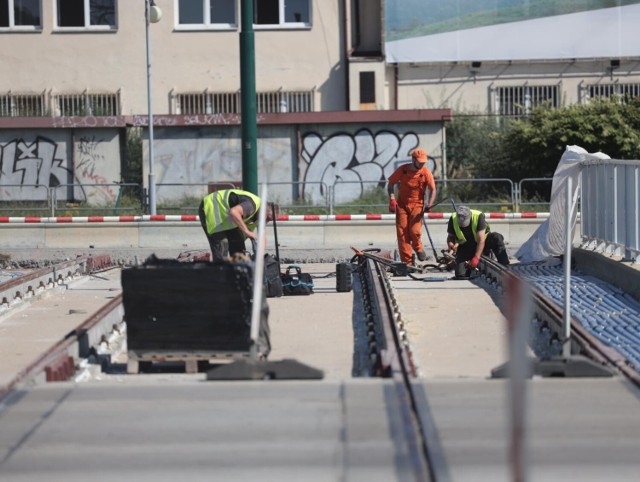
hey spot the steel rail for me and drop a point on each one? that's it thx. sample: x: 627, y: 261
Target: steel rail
x: 550, y: 313
x: 59, y: 361
x: 395, y: 361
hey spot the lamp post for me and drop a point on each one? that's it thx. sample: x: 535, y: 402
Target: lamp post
x: 152, y: 14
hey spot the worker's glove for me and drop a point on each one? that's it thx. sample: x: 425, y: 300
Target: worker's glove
x: 427, y: 209
x: 473, y: 263
x: 392, y: 205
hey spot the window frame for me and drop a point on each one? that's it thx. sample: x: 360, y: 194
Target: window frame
x: 282, y: 24
x: 12, y: 27
x: 206, y: 25
x: 87, y: 20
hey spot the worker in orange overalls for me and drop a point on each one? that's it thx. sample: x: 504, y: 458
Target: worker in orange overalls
x: 414, y: 179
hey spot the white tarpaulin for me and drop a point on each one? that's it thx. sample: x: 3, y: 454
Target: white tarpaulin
x: 549, y: 239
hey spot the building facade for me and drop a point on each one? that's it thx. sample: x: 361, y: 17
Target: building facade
x: 357, y: 83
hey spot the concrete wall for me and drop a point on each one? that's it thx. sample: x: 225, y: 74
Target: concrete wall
x: 298, y: 161
x: 292, y: 235
x: 57, y: 157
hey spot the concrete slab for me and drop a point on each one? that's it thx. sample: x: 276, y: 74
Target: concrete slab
x: 195, y: 430
x: 576, y: 429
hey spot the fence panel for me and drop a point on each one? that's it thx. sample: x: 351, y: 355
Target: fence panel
x: 107, y: 199
x: 299, y: 197
x: 24, y: 199
x: 533, y: 192
x: 495, y: 193
x: 610, y: 206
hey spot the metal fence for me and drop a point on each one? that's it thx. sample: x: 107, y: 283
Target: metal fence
x: 295, y: 197
x: 96, y: 199
x: 610, y: 206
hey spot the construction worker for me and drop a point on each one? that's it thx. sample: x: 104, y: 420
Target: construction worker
x: 228, y: 217
x: 414, y: 179
x: 469, y: 236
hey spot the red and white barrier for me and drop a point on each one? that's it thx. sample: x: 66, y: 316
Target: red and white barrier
x: 281, y: 218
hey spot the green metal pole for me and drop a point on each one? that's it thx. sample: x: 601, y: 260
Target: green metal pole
x: 248, y: 99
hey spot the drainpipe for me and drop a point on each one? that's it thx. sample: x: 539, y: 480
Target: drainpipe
x: 347, y: 54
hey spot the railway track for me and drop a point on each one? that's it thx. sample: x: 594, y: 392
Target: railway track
x: 388, y: 351
x: 58, y: 360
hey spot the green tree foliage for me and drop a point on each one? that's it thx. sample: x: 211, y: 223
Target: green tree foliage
x: 472, y: 139
x: 533, y: 146
x: 133, y: 159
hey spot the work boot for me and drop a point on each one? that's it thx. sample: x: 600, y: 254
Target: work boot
x: 422, y: 256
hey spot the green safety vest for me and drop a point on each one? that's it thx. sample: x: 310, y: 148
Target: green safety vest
x: 216, y: 211
x: 475, y: 215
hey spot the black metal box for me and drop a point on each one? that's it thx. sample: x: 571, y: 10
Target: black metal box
x: 199, y: 310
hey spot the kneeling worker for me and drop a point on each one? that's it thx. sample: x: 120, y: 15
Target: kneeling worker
x: 228, y: 217
x: 469, y: 236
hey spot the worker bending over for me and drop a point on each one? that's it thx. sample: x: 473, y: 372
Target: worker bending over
x: 228, y: 217
x: 414, y: 179
x: 469, y: 236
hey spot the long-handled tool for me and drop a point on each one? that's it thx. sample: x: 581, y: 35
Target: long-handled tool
x: 275, y: 234
x: 435, y: 254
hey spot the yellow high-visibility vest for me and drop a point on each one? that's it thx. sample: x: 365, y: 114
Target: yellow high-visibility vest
x: 216, y: 210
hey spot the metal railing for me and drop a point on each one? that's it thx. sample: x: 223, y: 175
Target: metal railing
x: 300, y: 197
x: 494, y: 193
x: 105, y: 199
x: 87, y: 104
x: 610, y: 206
x: 192, y: 103
x: 23, y: 105
x: 294, y: 197
x: 24, y: 199
x: 183, y: 198
x: 533, y: 191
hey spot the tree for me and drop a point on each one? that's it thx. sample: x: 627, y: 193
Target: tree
x: 532, y: 147
x: 472, y: 139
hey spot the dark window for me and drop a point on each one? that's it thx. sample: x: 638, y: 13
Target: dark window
x: 281, y: 12
x: 4, y: 13
x: 267, y: 12
x: 102, y: 12
x: 206, y: 12
x: 190, y: 12
x: 71, y: 13
x: 367, y: 87
x: 25, y: 13
x: 296, y: 11
x: 223, y: 11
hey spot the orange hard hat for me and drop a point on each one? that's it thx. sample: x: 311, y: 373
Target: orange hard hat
x: 419, y: 155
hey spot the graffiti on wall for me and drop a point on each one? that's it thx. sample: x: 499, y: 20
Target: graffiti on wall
x: 25, y: 165
x: 31, y: 170
x: 352, y: 164
x: 89, y: 163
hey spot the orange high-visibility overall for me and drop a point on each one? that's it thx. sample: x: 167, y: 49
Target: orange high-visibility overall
x: 410, y: 209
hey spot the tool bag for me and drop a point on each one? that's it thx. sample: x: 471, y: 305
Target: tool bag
x: 272, y: 277
x: 295, y: 282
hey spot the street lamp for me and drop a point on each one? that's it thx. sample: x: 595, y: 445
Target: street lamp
x: 152, y: 14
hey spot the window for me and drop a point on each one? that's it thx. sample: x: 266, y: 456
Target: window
x: 93, y: 14
x: 20, y: 14
x: 522, y: 99
x: 284, y: 13
x: 87, y: 104
x: 367, y: 87
x: 207, y: 13
x: 612, y: 90
x: 194, y: 103
x: 23, y: 105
